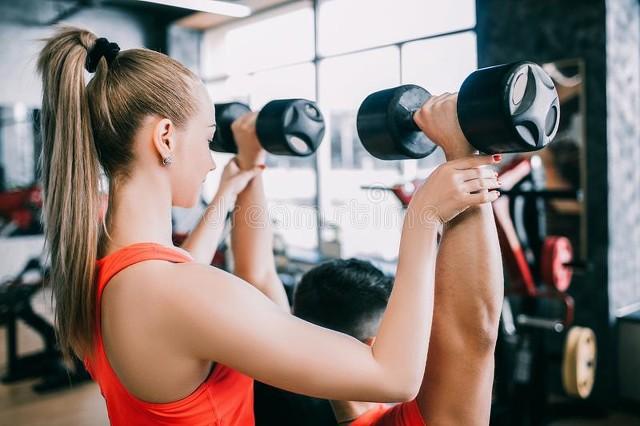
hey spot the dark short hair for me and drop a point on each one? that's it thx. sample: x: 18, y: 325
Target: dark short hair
x: 349, y: 296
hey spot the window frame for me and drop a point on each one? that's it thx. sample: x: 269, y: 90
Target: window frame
x: 322, y: 158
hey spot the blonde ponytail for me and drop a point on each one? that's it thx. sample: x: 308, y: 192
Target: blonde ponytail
x: 86, y: 131
x: 70, y: 173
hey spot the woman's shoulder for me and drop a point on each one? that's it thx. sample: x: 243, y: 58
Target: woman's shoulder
x: 154, y: 282
x: 184, y: 305
x: 143, y: 331
x: 160, y: 291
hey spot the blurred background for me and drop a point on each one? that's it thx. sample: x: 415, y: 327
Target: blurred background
x: 583, y: 190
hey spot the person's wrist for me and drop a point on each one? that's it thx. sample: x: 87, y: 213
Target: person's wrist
x: 247, y: 162
x: 424, y: 212
x: 458, y: 148
x: 224, y: 196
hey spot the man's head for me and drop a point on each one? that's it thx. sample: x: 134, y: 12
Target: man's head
x: 344, y: 295
x: 349, y: 296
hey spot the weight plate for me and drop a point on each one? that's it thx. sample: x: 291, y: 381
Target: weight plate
x: 579, y: 362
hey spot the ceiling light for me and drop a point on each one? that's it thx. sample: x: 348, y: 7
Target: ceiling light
x: 209, y: 6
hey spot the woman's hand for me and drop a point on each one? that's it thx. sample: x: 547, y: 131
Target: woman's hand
x: 204, y: 238
x: 455, y: 186
x: 250, y: 152
x: 234, y: 180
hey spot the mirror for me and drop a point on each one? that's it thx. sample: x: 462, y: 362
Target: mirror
x: 19, y: 146
x: 20, y: 197
x: 557, y: 171
x: 564, y: 159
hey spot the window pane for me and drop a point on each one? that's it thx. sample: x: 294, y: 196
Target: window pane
x: 234, y: 88
x: 368, y: 224
x: 290, y: 182
x: 298, y: 81
x: 439, y: 65
x: 18, y: 154
x: 342, y: 90
x: 369, y: 221
x: 213, y: 55
x: 346, y: 25
x: 279, y: 38
x: 291, y: 194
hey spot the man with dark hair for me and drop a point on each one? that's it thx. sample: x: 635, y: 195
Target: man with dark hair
x: 345, y: 295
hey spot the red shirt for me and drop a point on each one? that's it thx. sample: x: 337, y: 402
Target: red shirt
x: 225, y: 398
x: 405, y: 414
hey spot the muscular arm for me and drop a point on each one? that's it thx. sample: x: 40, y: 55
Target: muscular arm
x: 205, y: 237
x: 458, y: 378
x: 252, y: 243
x: 251, y: 234
x: 220, y: 317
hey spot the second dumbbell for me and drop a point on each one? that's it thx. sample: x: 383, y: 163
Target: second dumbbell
x: 506, y: 108
x: 292, y: 127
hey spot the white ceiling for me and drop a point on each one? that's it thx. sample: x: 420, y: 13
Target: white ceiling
x: 201, y: 20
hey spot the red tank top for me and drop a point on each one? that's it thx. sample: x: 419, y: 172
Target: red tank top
x: 405, y: 414
x: 224, y: 398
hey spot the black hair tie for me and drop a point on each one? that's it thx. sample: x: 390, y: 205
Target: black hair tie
x: 101, y: 48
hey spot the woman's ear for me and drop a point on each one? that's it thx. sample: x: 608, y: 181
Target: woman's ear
x: 163, y: 138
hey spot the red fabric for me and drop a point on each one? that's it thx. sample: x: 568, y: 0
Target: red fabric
x: 406, y: 414
x: 225, y: 398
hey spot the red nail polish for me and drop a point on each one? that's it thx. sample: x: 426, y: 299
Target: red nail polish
x: 262, y: 166
x: 497, y: 157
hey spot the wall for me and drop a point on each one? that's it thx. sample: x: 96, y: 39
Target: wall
x: 623, y: 153
x: 21, y: 45
x: 605, y: 35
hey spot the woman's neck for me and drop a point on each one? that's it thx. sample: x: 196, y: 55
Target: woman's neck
x: 139, y: 211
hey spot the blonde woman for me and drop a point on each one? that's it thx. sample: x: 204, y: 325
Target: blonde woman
x: 169, y: 339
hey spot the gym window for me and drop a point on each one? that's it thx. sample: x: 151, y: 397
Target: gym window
x: 362, y: 46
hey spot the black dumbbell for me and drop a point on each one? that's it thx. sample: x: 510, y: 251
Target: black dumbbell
x: 284, y: 127
x: 505, y: 108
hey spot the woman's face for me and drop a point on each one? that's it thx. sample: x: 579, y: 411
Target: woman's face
x: 193, y: 160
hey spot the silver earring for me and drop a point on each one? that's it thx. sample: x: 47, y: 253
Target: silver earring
x: 167, y: 160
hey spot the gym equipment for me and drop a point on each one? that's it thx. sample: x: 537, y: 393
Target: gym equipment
x: 504, y: 108
x: 536, y: 339
x: 628, y: 337
x: 579, y: 362
x: 46, y: 364
x: 284, y: 127
x: 402, y: 191
x: 20, y: 211
x: 555, y: 262
x: 15, y: 303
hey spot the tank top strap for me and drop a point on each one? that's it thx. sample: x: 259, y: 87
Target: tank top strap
x: 110, y: 265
